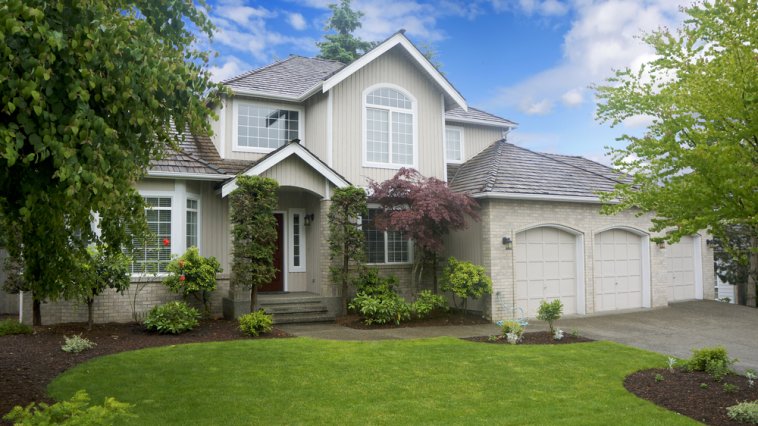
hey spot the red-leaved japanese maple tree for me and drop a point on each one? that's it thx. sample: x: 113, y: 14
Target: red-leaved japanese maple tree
x: 425, y: 210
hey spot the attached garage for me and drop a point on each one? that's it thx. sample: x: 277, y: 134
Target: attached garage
x: 621, y: 270
x: 681, y: 266
x: 548, y: 263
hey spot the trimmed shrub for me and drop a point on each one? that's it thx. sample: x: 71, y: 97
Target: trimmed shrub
x: 428, y: 303
x: 172, y: 318
x: 550, y: 312
x: 76, y: 344
x: 76, y: 411
x: 465, y: 280
x: 381, y: 308
x: 370, y: 283
x: 256, y: 323
x: 512, y: 327
x: 193, y: 274
x: 9, y: 326
x: 746, y: 412
x: 714, y: 361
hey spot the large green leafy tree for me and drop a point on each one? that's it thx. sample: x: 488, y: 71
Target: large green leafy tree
x: 696, y: 166
x: 88, y: 90
x: 254, y: 233
x: 345, y: 235
x: 343, y: 46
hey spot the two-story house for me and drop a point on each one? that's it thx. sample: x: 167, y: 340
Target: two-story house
x: 541, y: 234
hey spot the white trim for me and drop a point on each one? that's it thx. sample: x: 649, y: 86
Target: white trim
x: 188, y: 176
x: 460, y: 131
x: 364, y: 130
x: 284, y: 153
x: 510, y: 126
x: 697, y: 242
x: 646, y: 271
x: 179, y: 218
x: 195, y: 197
x: 278, y: 97
x: 444, y: 139
x: 329, y: 129
x: 221, y: 148
x: 291, y: 241
x: 539, y: 197
x: 397, y: 39
x: 288, y: 107
x: 159, y: 194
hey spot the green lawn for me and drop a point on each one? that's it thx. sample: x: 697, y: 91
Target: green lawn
x: 434, y: 381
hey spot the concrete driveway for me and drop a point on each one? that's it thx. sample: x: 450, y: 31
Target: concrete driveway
x: 678, y: 328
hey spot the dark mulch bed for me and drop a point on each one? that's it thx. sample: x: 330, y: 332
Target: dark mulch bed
x: 680, y: 391
x: 446, y: 318
x: 29, y: 362
x: 533, y: 338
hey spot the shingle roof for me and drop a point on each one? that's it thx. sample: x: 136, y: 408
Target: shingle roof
x: 458, y: 113
x: 504, y: 168
x: 291, y: 77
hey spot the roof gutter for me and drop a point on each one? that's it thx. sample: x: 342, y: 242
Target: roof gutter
x: 188, y: 176
x: 540, y: 197
x: 267, y: 95
x: 510, y: 124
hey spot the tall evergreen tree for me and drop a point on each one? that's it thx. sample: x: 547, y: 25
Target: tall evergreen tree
x: 343, y: 46
x: 345, y: 236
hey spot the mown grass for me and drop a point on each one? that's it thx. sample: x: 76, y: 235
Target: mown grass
x: 433, y: 381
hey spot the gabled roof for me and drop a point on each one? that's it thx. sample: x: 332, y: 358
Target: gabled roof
x: 295, y: 78
x: 504, y: 170
x: 399, y: 39
x: 280, y: 154
x: 477, y: 116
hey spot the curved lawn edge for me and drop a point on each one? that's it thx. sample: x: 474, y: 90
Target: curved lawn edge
x: 435, y: 380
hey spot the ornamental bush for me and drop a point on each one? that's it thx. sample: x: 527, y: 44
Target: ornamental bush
x: 172, y: 318
x: 9, y: 326
x: 381, y: 308
x: 714, y: 361
x: 193, y: 274
x: 76, y: 344
x: 465, y: 280
x: 512, y: 327
x: 76, y: 411
x: 745, y: 412
x: 256, y: 323
x: 370, y: 283
x: 550, y: 312
x: 428, y: 303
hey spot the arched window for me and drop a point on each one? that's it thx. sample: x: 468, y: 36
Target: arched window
x: 389, y: 128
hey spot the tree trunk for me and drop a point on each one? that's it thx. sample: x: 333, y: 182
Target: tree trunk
x: 753, y: 272
x: 90, y: 313
x: 36, y: 312
x: 253, y: 298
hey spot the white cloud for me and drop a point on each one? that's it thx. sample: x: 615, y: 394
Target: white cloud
x: 573, y: 97
x: 602, y: 38
x: 297, y: 21
x: 231, y: 67
x: 638, y: 121
x: 541, y: 107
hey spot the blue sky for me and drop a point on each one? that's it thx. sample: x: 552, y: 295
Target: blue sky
x: 526, y: 60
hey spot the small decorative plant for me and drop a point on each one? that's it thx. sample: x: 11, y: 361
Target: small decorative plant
x: 750, y: 376
x: 730, y: 388
x: 193, y: 275
x: 512, y: 330
x: 512, y: 338
x: 256, y: 323
x: 714, y: 361
x: 76, y: 411
x: 76, y: 344
x: 550, y: 312
x: 465, y: 280
x: 558, y: 335
x: 172, y: 318
x: 9, y: 326
x: 427, y: 303
x: 672, y: 363
x: 658, y: 378
x: 745, y: 412
x: 703, y: 385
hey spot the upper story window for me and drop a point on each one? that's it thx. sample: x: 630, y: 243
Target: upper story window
x: 389, y: 128
x: 453, y: 144
x: 260, y: 127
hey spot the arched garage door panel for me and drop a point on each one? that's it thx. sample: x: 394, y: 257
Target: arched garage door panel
x: 618, y: 270
x: 545, y: 260
x: 680, y: 267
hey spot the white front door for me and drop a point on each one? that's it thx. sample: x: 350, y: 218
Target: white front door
x: 545, y: 261
x: 680, y: 268
x: 618, y: 270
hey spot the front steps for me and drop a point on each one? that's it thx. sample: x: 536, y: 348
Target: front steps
x: 296, y: 307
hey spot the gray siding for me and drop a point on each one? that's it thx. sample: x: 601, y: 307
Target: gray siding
x: 315, y: 125
x: 296, y: 173
x: 476, y: 138
x: 392, y: 68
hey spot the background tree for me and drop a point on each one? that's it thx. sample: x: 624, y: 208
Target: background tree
x: 88, y: 92
x: 733, y: 261
x: 696, y: 166
x: 343, y: 46
x: 425, y: 210
x: 254, y: 233
x: 105, y: 268
x: 345, y: 236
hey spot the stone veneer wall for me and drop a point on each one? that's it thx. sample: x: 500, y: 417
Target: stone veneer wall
x: 114, y: 307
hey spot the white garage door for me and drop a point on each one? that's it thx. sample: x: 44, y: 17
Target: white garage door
x: 680, y: 267
x: 618, y: 270
x: 545, y: 260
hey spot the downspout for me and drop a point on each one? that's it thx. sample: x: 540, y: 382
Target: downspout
x: 20, y: 306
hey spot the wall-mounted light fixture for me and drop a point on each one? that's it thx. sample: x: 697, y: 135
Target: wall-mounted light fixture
x: 508, y: 243
x: 308, y: 219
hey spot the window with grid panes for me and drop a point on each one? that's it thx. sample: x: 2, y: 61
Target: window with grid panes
x: 153, y: 255
x: 389, y: 127
x: 381, y: 246
x: 265, y: 127
x: 193, y: 227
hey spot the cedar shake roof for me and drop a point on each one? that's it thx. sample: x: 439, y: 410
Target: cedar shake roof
x: 292, y: 77
x: 504, y: 168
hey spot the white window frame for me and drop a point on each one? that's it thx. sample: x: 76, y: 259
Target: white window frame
x: 386, y: 244
x: 235, y: 122
x: 199, y: 210
x: 413, y: 111
x: 291, y: 241
x: 462, y: 143
x: 174, y: 232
